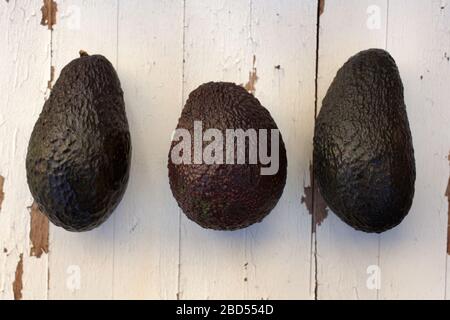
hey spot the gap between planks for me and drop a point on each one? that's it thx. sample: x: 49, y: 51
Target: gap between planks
x: 320, y: 10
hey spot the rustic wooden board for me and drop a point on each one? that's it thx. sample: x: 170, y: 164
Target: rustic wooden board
x: 231, y: 42
x: 409, y: 260
x: 81, y: 264
x: 343, y: 254
x: 413, y: 255
x: 24, y: 72
x: 216, y: 47
x: 162, y: 51
x: 280, y: 247
x: 150, y: 62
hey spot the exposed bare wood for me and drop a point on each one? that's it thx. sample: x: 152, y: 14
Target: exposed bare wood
x: 250, y: 86
x: 48, y: 10
x: 18, y: 282
x: 309, y: 199
x: 321, y: 6
x: 38, y: 232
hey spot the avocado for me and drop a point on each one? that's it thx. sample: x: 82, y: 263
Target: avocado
x: 363, y: 152
x: 226, y: 195
x: 79, y: 153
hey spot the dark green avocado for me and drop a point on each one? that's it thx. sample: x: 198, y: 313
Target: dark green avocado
x: 79, y: 154
x: 363, y: 151
x: 226, y: 196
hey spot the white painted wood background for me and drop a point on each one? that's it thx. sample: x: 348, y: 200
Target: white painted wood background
x: 164, y: 49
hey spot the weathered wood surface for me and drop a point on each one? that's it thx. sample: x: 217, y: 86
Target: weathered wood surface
x: 163, y: 50
x: 410, y: 260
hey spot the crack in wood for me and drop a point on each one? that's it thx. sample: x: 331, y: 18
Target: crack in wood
x: 314, y: 220
x: 2, y: 194
x: 18, y: 284
x: 52, y: 78
x: 447, y: 194
x: 39, y: 232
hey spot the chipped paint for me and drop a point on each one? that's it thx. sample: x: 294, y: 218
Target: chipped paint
x: 321, y: 7
x: 2, y: 194
x: 49, y: 10
x: 315, y: 203
x: 39, y: 231
x: 18, y: 284
x: 252, y: 78
x: 52, y: 77
x: 447, y: 194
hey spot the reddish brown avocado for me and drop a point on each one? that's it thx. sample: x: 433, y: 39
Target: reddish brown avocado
x: 79, y: 153
x: 363, y: 152
x: 226, y: 196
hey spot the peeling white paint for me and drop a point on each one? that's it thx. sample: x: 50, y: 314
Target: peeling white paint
x: 148, y: 249
x: 19, y: 81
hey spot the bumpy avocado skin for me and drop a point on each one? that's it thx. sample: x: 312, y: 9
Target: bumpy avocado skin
x: 224, y: 196
x: 363, y: 152
x: 79, y: 154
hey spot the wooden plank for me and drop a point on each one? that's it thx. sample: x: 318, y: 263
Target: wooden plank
x: 234, y: 42
x: 81, y: 264
x: 148, y: 248
x: 413, y: 255
x: 279, y: 249
x: 343, y: 254
x: 217, y: 48
x: 24, y: 72
x: 147, y: 226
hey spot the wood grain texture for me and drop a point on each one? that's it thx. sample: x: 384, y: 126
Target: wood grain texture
x: 217, y: 47
x: 24, y: 72
x: 163, y: 50
x: 413, y: 255
x: 343, y: 254
x: 234, y: 42
x: 150, y: 62
x: 279, y: 248
x: 81, y: 264
x: 39, y: 231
